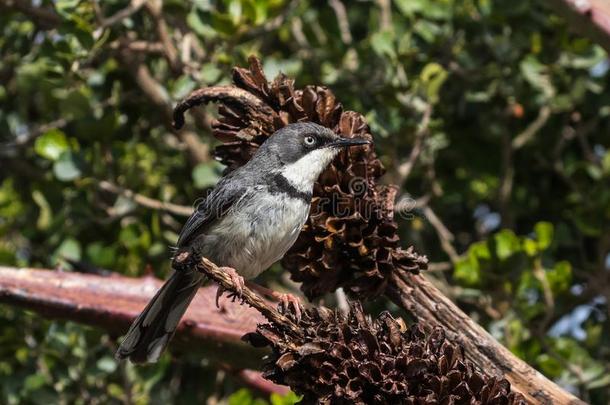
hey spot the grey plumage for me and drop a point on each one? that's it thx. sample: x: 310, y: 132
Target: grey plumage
x: 248, y: 222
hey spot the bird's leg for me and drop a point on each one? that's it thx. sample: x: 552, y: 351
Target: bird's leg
x: 284, y: 298
x: 236, y: 279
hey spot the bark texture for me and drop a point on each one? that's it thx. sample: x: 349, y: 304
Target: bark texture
x: 433, y: 310
x: 112, y: 302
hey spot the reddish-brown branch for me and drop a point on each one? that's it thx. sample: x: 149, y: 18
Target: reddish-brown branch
x: 590, y: 18
x: 113, y: 302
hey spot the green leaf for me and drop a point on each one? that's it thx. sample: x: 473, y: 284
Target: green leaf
x: 480, y: 251
x: 550, y: 366
x: 34, y: 382
x: 100, y: 255
x: 289, y: 399
x: 223, y: 23
x: 205, y: 175
x: 383, y: 43
x: 506, y: 244
x: 433, y: 76
x: 544, y: 234
x: 433, y: 9
x: 210, y: 73
x: 195, y: 22
x: 70, y: 249
x: 530, y: 246
x: 427, y: 30
x: 182, y: 87
x: 602, y: 381
x: 240, y: 397
x: 52, y: 144
x: 467, y: 271
x: 606, y: 163
x: 560, y: 276
x: 106, y: 364
x: 67, y: 167
x: 44, y: 217
x: 535, y: 73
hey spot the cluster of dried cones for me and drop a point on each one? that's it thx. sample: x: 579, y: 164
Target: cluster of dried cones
x: 352, y: 360
x: 350, y: 239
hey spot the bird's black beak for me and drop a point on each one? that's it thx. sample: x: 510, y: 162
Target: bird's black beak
x: 347, y: 142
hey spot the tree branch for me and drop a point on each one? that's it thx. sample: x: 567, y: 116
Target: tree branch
x: 147, y: 202
x: 133, y: 7
x: 45, y: 17
x: 404, y: 170
x: 247, y: 295
x: 432, y: 309
x: 342, y: 21
x: 112, y: 302
x: 532, y: 129
x: 590, y: 18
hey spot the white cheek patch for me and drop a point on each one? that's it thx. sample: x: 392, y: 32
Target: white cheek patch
x: 305, y: 171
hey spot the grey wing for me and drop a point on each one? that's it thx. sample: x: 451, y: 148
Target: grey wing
x: 214, y: 207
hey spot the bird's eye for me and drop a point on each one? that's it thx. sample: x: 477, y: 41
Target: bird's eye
x: 309, y: 141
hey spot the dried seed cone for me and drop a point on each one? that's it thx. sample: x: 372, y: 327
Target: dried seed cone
x: 350, y: 239
x: 353, y: 360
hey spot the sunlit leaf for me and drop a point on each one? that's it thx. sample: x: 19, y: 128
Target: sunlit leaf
x: 51, y: 144
x: 66, y: 168
x: 544, y: 234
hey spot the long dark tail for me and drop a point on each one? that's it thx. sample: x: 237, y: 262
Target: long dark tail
x: 152, y: 330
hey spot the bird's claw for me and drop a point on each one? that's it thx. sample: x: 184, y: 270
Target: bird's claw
x: 237, y: 281
x: 287, y: 299
x: 219, y: 292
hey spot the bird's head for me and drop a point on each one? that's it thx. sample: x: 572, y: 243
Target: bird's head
x: 305, y: 149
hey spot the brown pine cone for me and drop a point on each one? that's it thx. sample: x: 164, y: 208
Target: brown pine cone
x: 351, y: 359
x: 350, y: 239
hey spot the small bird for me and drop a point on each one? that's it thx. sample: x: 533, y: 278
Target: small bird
x: 247, y: 223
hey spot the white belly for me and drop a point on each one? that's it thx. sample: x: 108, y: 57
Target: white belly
x: 254, y: 236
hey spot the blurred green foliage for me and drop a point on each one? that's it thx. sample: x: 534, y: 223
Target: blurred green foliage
x: 516, y: 164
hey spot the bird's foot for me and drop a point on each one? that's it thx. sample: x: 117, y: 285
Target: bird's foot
x: 286, y: 300
x: 236, y: 279
x: 283, y: 298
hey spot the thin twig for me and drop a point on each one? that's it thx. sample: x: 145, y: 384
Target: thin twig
x: 444, y: 235
x: 157, y: 94
x: 507, y: 178
x: 147, y: 202
x: 581, y: 133
x: 246, y: 34
x: 532, y: 129
x: 404, y: 170
x: 549, y: 300
x: 385, y: 17
x: 155, y: 9
x: 247, y: 295
x: 132, y: 8
x: 138, y: 46
x: 25, y: 139
x: 296, y: 27
x: 440, y: 266
x: 342, y: 21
